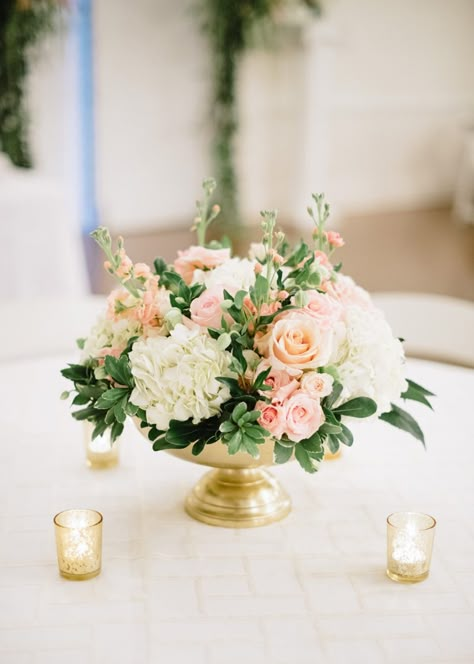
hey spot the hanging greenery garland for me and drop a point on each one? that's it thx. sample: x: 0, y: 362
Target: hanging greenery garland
x: 23, y: 23
x: 231, y: 27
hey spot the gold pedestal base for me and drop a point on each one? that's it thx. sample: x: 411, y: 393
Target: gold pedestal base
x: 238, y: 498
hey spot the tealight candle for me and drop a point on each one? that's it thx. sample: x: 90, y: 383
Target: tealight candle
x: 100, y: 452
x: 79, y: 543
x: 409, y: 546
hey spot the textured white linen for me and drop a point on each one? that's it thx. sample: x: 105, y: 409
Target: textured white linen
x: 309, y: 589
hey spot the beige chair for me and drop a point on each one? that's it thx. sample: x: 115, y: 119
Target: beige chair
x: 433, y: 326
x: 46, y: 326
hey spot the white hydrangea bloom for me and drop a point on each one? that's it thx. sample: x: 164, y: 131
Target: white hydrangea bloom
x: 175, y: 376
x: 111, y: 334
x: 371, y: 359
x: 233, y: 275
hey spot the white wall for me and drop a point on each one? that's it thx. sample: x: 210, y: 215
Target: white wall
x: 371, y: 110
x: 401, y: 91
x: 152, y: 85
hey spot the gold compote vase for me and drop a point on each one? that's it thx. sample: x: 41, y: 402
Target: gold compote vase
x: 239, y: 492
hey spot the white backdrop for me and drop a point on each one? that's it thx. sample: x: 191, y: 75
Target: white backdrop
x: 372, y: 110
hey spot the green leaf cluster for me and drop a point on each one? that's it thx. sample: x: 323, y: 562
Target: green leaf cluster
x: 106, y: 401
x: 241, y: 432
x: 181, y: 294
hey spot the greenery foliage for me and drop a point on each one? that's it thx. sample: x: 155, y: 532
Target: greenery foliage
x: 230, y: 26
x: 23, y: 23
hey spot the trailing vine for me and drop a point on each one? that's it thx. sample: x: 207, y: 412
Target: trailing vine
x: 23, y: 23
x: 230, y: 26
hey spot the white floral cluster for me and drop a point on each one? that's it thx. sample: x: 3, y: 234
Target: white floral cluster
x: 175, y: 376
x: 108, y: 333
x: 372, y: 359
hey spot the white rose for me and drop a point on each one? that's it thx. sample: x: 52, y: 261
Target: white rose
x: 175, y: 376
x: 317, y: 385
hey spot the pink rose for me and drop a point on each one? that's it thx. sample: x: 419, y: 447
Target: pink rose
x: 303, y: 416
x: 298, y: 342
x: 348, y: 293
x: 280, y: 381
x: 317, y: 385
x: 206, y: 309
x: 324, y: 309
x: 271, y: 418
x: 199, y: 258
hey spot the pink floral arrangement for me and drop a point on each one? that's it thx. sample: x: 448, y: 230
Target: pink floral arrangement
x: 277, y: 345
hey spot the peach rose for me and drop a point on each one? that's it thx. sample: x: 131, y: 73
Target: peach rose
x: 317, y: 385
x: 298, y: 342
x: 206, y: 309
x: 142, y: 270
x: 271, y: 418
x: 303, y: 416
x: 200, y: 258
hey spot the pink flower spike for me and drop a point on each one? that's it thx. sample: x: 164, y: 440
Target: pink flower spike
x: 335, y: 239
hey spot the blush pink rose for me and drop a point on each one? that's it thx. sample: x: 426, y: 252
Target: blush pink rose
x: 348, y: 293
x: 271, y: 418
x: 297, y: 342
x: 324, y: 309
x: 206, y: 309
x: 317, y: 385
x: 280, y: 381
x: 303, y: 416
x: 199, y: 258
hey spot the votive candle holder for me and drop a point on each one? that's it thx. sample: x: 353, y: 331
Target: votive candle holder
x: 100, y: 452
x: 79, y: 543
x: 410, y: 538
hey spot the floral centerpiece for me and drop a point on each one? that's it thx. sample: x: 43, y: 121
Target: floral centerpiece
x: 279, y: 347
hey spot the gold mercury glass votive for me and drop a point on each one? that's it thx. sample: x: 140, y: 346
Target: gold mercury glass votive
x: 79, y: 543
x: 409, y: 546
x: 100, y: 452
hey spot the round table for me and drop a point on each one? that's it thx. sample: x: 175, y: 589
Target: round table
x: 309, y: 589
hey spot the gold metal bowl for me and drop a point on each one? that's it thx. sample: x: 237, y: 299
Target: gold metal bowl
x: 239, y: 492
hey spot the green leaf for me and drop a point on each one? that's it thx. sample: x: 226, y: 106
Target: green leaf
x: 398, y: 417
x: 198, y: 447
x: 313, y: 444
x: 358, y: 407
x: 420, y: 388
x: 304, y: 459
x: 64, y: 395
x: 333, y: 444
x: 234, y: 443
x: 334, y: 396
x: 330, y: 428
x: 282, y: 454
x: 415, y: 392
x: 86, y: 413
x: 345, y: 436
x: 119, y: 370
x: 80, y: 400
x: 111, y: 397
x: 160, y: 266
x: 232, y: 384
x: 238, y: 411
x: 227, y: 426
x: 76, y: 372
x: 251, y: 447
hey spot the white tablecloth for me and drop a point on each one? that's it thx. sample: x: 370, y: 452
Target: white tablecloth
x: 309, y: 589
